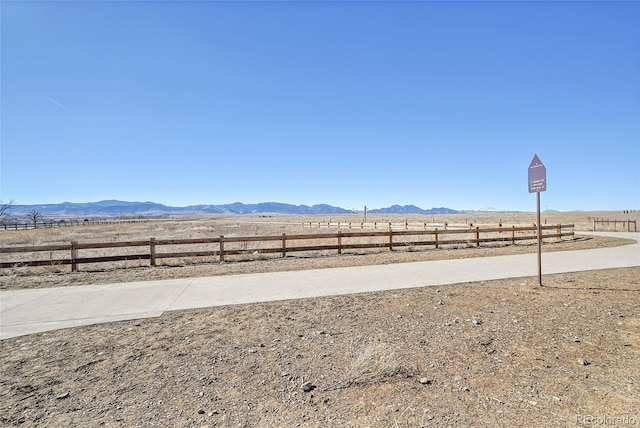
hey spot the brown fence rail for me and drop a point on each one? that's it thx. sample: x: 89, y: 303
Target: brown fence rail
x: 14, y: 225
x: 606, y: 223
x: 406, y: 225
x: 281, y: 244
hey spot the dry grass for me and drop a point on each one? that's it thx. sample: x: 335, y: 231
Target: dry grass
x: 250, y: 261
x: 214, y: 226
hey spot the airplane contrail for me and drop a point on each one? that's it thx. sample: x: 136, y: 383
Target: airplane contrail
x: 60, y: 105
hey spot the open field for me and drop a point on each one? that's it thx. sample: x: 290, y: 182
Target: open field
x: 58, y: 275
x: 246, y: 225
x: 493, y: 353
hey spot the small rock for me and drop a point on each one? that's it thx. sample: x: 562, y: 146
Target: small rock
x: 583, y: 361
x: 576, y: 339
x: 308, y: 387
x: 63, y: 396
x: 201, y: 411
x: 457, y: 378
x: 477, y: 322
x: 425, y: 381
x: 284, y: 374
x: 532, y: 403
x: 440, y: 302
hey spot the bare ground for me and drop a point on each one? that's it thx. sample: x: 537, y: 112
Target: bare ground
x: 480, y: 354
x: 494, y: 353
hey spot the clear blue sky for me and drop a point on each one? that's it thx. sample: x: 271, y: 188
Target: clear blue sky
x: 344, y: 103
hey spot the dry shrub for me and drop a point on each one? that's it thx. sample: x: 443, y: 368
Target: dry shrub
x: 372, y: 362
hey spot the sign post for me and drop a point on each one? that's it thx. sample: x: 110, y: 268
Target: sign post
x: 537, y: 184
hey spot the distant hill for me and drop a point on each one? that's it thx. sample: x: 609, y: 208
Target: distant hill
x: 412, y: 209
x: 112, y: 208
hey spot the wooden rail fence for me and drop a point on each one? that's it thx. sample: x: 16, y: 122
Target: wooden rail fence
x: 401, y: 225
x: 282, y: 244
x: 63, y: 223
x: 626, y: 224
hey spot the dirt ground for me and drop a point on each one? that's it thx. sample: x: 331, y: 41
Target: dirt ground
x: 496, y: 353
x: 493, y: 353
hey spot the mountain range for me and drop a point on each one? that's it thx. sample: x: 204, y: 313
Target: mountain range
x: 122, y: 208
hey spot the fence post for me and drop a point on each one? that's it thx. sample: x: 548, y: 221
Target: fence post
x: 559, y: 232
x: 221, y: 248
x: 477, y: 236
x: 436, y: 237
x: 152, y: 251
x: 513, y: 235
x: 390, y: 238
x: 74, y: 256
x: 339, y: 242
x: 284, y: 245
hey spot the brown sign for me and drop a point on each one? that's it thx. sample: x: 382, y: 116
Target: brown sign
x: 537, y: 176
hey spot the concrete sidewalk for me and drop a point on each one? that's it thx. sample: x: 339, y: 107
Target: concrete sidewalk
x: 31, y: 311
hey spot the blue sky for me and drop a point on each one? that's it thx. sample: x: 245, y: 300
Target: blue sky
x: 344, y: 103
